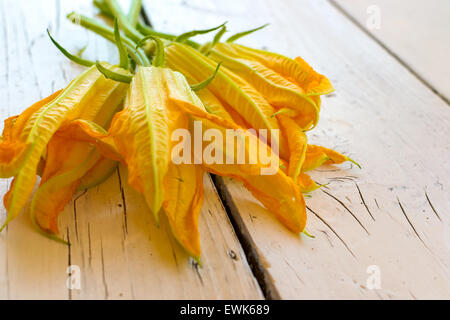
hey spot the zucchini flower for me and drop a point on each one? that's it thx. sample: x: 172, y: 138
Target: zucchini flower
x: 277, y: 192
x: 283, y: 82
x: 32, y: 137
x: 229, y: 88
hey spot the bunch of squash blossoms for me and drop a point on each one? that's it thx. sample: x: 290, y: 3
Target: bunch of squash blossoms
x: 128, y: 114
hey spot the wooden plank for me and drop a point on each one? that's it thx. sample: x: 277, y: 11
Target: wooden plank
x: 394, y: 214
x: 119, y: 251
x: 416, y: 31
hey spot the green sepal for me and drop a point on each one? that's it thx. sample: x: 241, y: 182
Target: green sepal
x: 308, y: 235
x: 219, y: 36
x: 108, y: 33
x: 280, y: 112
x: 354, y: 162
x: 159, y: 58
x: 74, y: 58
x: 123, y: 53
x: 112, y: 75
x: 147, y: 31
x: 204, y: 84
x: 245, y: 33
x: 186, y: 36
x: 206, y: 49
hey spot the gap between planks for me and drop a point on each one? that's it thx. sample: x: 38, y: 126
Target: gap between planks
x: 256, y: 261
x: 75, y: 253
x: 257, y: 266
x: 249, y: 248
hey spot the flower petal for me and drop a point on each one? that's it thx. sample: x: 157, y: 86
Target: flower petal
x: 85, y: 95
x: 141, y: 134
x: 67, y: 162
x: 297, y: 145
x: 228, y: 87
x: 278, y: 193
x: 184, y: 199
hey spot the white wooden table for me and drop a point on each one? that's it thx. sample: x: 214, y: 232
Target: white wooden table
x: 390, y: 112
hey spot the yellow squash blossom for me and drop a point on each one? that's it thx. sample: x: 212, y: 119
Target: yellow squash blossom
x: 13, y: 147
x: 297, y: 146
x: 184, y: 198
x: 277, y: 192
x: 229, y: 88
x: 71, y: 165
x: 283, y: 82
x: 67, y: 162
x: 85, y: 96
x: 317, y: 156
x: 140, y: 136
x: 98, y: 174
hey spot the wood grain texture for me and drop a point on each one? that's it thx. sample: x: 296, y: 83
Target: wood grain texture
x: 120, y: 252
x: 394, y: 214
x: 415, y: 31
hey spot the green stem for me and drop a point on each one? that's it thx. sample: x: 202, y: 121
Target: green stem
x: 110, y: 74
x: 123, y: 54
x: 124, y: 23
x: 142, y: 28
x: 159, y: 58
x: 135, y: 11
x: 104, y: 10
x: 114, y: 11
x: 147, y: 31
x: 108, y: 33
